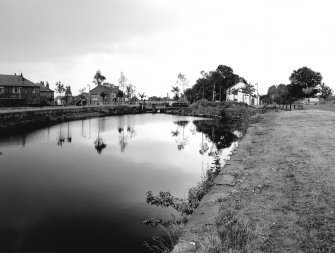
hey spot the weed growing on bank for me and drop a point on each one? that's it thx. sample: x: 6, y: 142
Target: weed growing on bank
x: 184, y: 207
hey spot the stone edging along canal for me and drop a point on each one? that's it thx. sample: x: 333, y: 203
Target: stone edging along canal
x: 30, y: 118
x: 203, y: 218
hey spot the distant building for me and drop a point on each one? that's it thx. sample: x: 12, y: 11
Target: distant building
x: 235, y: 94
x: 103, y: 94
x: 15, y: 90
x: 47, y: 95
x: 64, y: 100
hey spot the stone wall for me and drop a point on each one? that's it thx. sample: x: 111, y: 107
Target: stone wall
x: 13, y: 119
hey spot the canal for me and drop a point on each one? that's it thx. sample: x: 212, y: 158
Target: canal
x: 80, y: 186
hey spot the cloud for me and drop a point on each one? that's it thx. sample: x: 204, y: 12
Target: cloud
x: 39, y: 30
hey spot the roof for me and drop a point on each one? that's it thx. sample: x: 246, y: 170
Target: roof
x: 44, y: 89
x: 16, y: 80
x: 239, y: 85
x: 101, y: 88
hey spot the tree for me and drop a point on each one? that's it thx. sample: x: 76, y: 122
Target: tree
x: 175, y: 90
x: 130, y: 90
x: 325, y: 91
x: 213, y: 82
x: 68, y: 91
x: 98, y: 78
x: 304, y: 82
x: 248, y: 89
x: 82, y: 90
x: 123, y: 81
x: 142, y: 96
x: 182, y: 82
x: 60, y: 88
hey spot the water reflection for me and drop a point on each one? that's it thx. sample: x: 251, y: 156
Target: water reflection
x: 220, y: 136
x: 52, y: 195
x: 61, y: 135
x: 181, y: 140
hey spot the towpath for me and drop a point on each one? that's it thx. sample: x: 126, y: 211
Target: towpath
x: 282, y: 196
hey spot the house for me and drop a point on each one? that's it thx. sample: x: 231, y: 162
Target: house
x: 15, y: 90
x: 309, y: 101
x: 64, y: 100
x: 103, y: 94
x: 46, y: 94
x: 235, y: 94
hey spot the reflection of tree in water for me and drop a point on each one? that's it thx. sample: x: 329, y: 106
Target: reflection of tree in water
x: 61, y: 136
x: 182, y: 140
x: 99, y: 144
x: 124, y: 136
x: 69, y: 137
x: 221, y: 135
x: 204, y: 145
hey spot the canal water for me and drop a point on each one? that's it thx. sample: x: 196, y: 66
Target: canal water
x: 80, y: 186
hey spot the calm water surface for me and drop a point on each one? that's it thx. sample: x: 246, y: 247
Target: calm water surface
x: 80, y: 186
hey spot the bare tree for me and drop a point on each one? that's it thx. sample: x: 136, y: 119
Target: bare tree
x: 123, y: 81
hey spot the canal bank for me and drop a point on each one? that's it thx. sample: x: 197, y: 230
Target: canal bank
x: 276, y: 193
x: 39, y: 117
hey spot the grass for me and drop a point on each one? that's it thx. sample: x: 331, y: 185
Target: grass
x: 286, y: 202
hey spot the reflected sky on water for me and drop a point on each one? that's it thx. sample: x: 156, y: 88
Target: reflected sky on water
x: 80, y: 186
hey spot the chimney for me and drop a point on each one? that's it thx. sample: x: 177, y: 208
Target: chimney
x: 47, y: 85
x: 22, y: 77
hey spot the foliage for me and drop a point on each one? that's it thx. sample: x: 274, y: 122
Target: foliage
x: 304, y: 82
x: 175, y: 90
x: 82, y: 90
x: 123, y: 81
x: 142, y: 95
x: 98, y: 78
x: 182, y: 82
x: 325, y: 91
x: 68, y: 91
x: 120, y: 94
x: 278, y: 94
x: 216, y: 82
x: 60, y: 87
x: 130, y: 90
x: 184, y: 207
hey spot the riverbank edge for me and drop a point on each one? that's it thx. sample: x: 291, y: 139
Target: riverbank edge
x: 15, y: 120
x: 198, y: 229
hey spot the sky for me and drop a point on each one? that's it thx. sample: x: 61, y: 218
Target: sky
x: 152, y: 41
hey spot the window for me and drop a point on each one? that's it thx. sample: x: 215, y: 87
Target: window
x: 2, y: 90
x: 16, y: 89
x: 34, y: 90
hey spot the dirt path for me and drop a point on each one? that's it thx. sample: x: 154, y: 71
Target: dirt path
x: 285, y: 201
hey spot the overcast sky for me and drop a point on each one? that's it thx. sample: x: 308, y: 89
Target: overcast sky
x: 152, y: 41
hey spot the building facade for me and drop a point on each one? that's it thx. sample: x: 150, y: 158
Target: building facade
x: 102, y: 94
x: 15, y: 90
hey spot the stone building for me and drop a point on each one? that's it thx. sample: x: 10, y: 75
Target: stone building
x: 15, y: 90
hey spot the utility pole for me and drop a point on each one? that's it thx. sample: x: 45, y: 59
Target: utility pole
x: 214, y: 92
x: 89, y: 94
x: 203, y: 90
x: 220, y: 92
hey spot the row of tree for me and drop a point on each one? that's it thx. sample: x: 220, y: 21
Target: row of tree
x: 304, y: 83
x: 213, y: 85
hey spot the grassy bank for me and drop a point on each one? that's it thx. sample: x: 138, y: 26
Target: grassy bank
x: 285, y: 197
